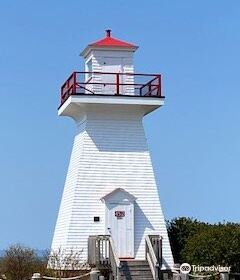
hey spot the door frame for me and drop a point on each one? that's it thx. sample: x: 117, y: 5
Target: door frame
x: 121, y: 197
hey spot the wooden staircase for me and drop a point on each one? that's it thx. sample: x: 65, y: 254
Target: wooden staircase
x: 102, y: 254
x: 135, y: 270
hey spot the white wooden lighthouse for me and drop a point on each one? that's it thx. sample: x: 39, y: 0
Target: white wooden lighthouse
x: 110, y: 187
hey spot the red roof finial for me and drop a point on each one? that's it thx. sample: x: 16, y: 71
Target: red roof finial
x: 108, y: 32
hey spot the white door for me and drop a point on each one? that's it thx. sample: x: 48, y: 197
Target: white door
x: 111, y: 65
x: 120, y: 225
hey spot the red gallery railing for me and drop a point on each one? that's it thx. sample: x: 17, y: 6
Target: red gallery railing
x: 103, y: 83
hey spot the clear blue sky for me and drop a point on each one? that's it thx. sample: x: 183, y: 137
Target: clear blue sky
x: 194, y: 139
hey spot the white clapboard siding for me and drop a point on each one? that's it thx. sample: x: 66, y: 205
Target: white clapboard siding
x: 109, y: 152
x: 97, y: 62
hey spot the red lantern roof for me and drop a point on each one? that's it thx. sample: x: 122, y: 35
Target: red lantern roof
x: 110, y: 42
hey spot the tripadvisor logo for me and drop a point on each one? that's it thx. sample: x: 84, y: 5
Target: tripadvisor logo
x: 186, y: 268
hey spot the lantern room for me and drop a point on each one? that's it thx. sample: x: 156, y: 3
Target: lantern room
x: 109, y: 71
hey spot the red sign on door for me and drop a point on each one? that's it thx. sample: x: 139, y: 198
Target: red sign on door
x: 119, y: 214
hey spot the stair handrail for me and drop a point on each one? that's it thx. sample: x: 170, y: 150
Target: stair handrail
x: 114, y: 260
x: 102, y: 253
x: 154, y: 258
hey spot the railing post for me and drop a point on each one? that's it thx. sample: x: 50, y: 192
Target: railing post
x: 150, y: 89
x: 98, y: 251
x: 146, y: 249
x: 74, y: 82
x: 68, y: 84
x: 160, y: 257
x: 160, y: 251
x: 224, y: 276
x: 176, y: 276
x: 94, y: 274
x: 117, y: 83
x: 62, y: 95
x: 157, y: 275
x: 36, y: 276
x: 184, y: 276
x: 159, y: 91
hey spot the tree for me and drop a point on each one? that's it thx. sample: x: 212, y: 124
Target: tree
x: 63, y: 262
x: 215, y: 245
x: 179, y: 231
x: 205, y: 244
x: 20, y: 262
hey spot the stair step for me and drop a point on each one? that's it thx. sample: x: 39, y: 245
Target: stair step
x: 134, y: 262
x: 137, y: 276
x: 135, y: 270
x: 136, y: 265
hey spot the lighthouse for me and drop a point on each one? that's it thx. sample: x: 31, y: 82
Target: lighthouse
x: 110, y: 188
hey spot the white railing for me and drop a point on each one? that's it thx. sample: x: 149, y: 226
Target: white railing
x: 154, y: 254
x: 114, y: 260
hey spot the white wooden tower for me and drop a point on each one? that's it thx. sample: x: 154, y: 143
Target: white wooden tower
x: 110, y: 186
